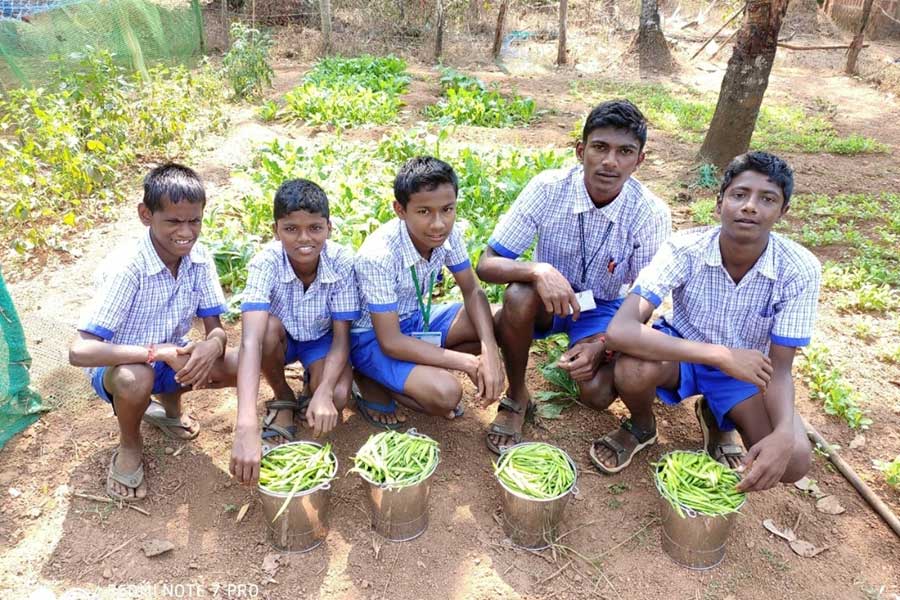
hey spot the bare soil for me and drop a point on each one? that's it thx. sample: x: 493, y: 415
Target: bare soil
x: 52, y: 542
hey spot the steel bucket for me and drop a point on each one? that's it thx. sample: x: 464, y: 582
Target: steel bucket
x: 532, y: 523
x: 304, y: 523
x: 695, y: 541
x: 399, y: 514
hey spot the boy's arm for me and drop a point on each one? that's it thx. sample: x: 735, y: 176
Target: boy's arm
x: 628, y: 334
x: 202, y: 355
x: 490, y: 370
x: 767, y: 459
x: 247, y: 449
x: 89, y: 350
x: 321, y: 415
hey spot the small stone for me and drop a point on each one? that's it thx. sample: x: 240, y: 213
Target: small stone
x: 170, y: 450
x: 156, y: 547
x: 420, y: 564
x: 366, y: 584
x: 449, y: 527
x: 457, y: 473
x: 107, y: 573
x: 577, y: 578
x: 14, y: 492
x: 750, y: 545
x: 477, y: 561
x: 858, y: 442
x: 193, y: 565
x: 34, y: 513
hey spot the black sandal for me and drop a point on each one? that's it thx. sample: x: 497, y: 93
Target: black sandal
x: 496, y: 429
x: 644, y: 438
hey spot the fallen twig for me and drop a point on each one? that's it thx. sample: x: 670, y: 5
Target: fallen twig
x: 116, y: 549
x: 834, y: 47
x: 626, y: 540
x: 108, y: 500
x: 553, y: 574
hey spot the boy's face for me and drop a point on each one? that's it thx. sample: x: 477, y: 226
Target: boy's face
x: 174, y: 228
x: 609, y: 156
x: 750, y: 206
x: 429, y: 216
x: 303, y: 235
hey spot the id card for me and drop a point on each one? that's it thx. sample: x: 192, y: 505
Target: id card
x: 586, y: 300
x: 432, y: 337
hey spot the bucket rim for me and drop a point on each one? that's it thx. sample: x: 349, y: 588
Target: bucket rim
x: 690, y: 513
x: 524, y: 497
x: 387, y: 486
x: 322, y: 486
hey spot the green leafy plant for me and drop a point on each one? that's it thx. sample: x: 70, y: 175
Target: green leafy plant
x: 466, y: 101
x: 890, y: 470
x: 827, y: 385
x: 551, y: 404
x: 246, y: 64
x: 268, y: 111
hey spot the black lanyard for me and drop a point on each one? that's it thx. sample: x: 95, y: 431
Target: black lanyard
x: 585, y: 263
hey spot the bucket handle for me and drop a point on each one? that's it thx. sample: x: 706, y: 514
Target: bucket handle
x: 574, y: 490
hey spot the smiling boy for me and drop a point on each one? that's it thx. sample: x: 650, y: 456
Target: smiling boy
x: 744, y: 299
x: 402, y: 347
x: 596, y: 228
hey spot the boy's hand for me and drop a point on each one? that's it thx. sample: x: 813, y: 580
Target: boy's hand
x: 582, y: 360
x: 195, y: 373
x: 751, y: 366
x: 321, y: 415
x: 555, y: 292
x: 491, y: 377
x: 167, y: 353
x: 766, y: 461
x: 246, y: 453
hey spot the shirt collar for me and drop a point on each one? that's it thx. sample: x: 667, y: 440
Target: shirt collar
x: 408, y: 252
x: 582, y: 202
x: 154, y: 264
x: 325, y: 272
x: 765, y: 264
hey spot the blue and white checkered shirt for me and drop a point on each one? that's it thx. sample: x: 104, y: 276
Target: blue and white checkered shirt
x: 307, y: 314
x: 139, y: 302
x: 382, y: 269
x: 775, y: 300
x: 620, y: 238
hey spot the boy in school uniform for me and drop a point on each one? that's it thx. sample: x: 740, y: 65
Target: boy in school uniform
x: 299, y: 301
x: 132, y: 338
x: 744, y: 299
x: 596, y: 228
x: 402, y: 346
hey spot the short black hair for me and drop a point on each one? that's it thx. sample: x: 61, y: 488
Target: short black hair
x: 422, y: 173
x: 300, y: 194
x: 767, y: 164
x: 172, y: 182
x: 618, y: 114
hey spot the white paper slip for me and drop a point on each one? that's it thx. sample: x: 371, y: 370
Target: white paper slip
x: 586, y: 300
x: 432, y: 337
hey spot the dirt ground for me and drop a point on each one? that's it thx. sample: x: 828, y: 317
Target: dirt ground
x: 53, y: 544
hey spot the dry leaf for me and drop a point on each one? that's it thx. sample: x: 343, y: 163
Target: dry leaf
x: 156, y: 547
x: 787, y: 534
x: 805, y: 549
x: 242, y: 513
x: 270, y: 564
x: 830, y: 505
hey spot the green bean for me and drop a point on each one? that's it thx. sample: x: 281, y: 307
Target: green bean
x: 697, y: 482
x: 395, y: 459
x: 535, y: 470
x: 295, y: 468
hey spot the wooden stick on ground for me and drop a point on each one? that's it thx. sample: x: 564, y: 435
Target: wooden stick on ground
x: 847, y: 471
x: 108, y: 500
x: 718, y: 31
x: 835, y: 47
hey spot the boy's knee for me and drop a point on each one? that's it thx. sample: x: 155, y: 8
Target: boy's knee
x: 130, y: 382
x: 634, y: 375
x: 801, y: 460
x: 520, y: 301
x: 443, y: 394
x: 342, y: 393
x: 598, y: 393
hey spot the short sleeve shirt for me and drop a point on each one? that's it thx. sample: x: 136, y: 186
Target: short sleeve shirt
x: 138, y: 301
x: 383, y: 265
x: 599, y: 249
x: 774, y: 302
x: 307, y: 313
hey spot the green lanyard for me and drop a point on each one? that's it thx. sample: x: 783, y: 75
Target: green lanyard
x: 426, y: 309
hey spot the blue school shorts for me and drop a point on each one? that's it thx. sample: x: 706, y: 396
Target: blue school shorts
x: 307, y: 352
x: 163, y: 381
x: 589, y: 323
x: 367, y: 357
x: 722, y: 392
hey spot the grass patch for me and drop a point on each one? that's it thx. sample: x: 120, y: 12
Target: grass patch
x: 686, y: 114
x: 467, y: 101
x: 827, y: 386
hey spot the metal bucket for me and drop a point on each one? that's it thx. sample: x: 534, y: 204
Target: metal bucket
x: 304, y: 523
x: 532, y: 523
x: 399, y: 514
x: 695, y: 541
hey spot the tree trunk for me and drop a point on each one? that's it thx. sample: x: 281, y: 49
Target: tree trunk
x: 856, y: 45
x: 561, y: 47
x: 745, y: 82
x: 498, y: 33
x: 653, y: 51
x: 439, y: 34
x: 325, y: 11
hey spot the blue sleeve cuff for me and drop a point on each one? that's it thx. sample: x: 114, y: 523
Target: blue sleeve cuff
x: 212, y: 311
x: 251, y: 306
x: 789, y: 341
x: 389, y: 307
x: 346, y: 316
x: 100, y: 332
x: 647, y: 295
x: 466, y: 264
x: 501, y: 249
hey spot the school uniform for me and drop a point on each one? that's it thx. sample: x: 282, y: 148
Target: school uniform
x: 306, y: 313
x: 597, y: 249
x: 775, y: 302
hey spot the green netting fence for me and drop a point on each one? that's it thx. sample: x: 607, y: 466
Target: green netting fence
x: 20, y: 406
x: 137, y: 32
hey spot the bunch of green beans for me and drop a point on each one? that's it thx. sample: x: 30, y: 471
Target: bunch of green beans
x: 395, y: 459
x: 695, y: 481
x: 535, y: 470
x: 294, y: 468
